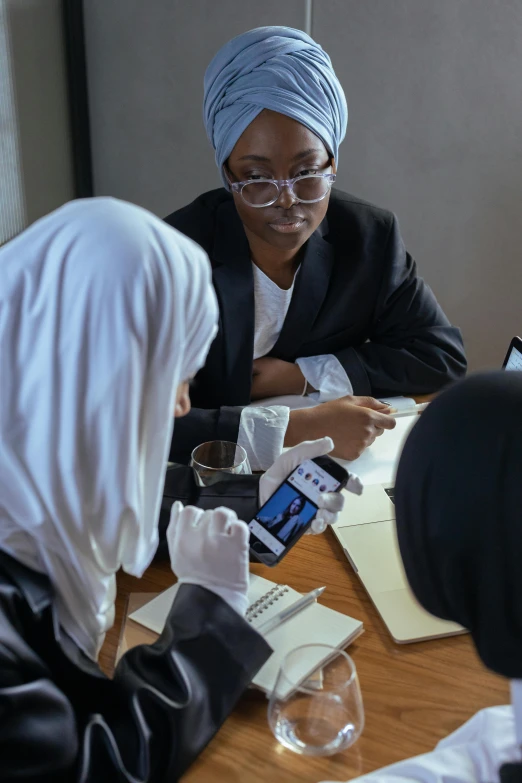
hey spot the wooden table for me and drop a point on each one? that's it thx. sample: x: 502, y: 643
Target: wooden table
x: 413, y: 694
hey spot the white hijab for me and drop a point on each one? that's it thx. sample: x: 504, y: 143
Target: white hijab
x: 104, y: 309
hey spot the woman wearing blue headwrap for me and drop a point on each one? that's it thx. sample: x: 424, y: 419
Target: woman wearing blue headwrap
x: 317, y: 293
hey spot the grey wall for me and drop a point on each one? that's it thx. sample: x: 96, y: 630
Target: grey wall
x: 34, y: 133
x: 146, y: 61
x: 435, y: 133
x: 435, y: 130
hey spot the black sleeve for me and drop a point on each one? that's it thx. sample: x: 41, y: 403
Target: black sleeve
x: 165, y: 703
x: 38, y: 737
x: 180, y: 689
x: 200, y: 426
x: 240, y: 493
x: 412, y: 346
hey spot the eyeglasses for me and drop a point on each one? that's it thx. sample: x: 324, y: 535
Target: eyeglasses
x: 308, y: 189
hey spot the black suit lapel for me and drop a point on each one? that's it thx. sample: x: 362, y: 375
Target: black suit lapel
x: 234, y: 283
x: 310, y: 290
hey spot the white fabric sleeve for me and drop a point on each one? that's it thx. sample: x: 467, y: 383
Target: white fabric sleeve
x: 326, y: 374
x: 474, y: 752
x: 262, y: 434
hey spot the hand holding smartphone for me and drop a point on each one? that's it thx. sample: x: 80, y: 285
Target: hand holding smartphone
x: 290, y: 511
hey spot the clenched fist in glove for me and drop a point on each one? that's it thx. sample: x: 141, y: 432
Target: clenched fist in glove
x: 210, y: 549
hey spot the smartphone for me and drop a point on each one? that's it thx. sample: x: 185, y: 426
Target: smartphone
x: 289, y: 512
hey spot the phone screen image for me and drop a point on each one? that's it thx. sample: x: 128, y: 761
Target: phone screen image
x: 292, y: 507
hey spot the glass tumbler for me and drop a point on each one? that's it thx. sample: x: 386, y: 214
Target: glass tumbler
x: 316, y: 710
x: 215, y: 460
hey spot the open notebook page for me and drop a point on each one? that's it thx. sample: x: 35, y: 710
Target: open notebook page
x: 315, y: 624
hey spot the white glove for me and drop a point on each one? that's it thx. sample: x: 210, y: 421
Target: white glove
x: 330, y: 503
x: 210, y: 549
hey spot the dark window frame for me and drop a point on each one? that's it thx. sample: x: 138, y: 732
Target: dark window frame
x: 78, y: 95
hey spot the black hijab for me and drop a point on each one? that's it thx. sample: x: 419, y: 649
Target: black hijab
x: 458, y: 499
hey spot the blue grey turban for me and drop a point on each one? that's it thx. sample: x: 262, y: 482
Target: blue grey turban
x: 275, y: 68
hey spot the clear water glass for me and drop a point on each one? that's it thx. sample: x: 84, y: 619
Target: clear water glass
x: 217, y: 460
x: 316, y: 711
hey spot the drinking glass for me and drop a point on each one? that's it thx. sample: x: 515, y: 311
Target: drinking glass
x: 216, y: 460
x: 316, y: 710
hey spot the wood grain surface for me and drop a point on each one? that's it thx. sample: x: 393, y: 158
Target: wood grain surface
x: 413, y: 694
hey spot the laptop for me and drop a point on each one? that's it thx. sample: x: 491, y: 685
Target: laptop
x: 513, y: 360
x: 366, y: 531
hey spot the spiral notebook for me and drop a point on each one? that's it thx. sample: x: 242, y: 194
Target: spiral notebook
x: 314, y: 624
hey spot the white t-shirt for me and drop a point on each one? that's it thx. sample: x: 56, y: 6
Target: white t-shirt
x: 271, y: 307
x: 262, y: 429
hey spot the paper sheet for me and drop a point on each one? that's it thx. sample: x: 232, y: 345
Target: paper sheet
x: 399, y: 403
x: 294, y: 402
x: 378, y: 464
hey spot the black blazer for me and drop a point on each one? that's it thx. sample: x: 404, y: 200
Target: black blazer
x: 357, y: 296
x: 62, y: 720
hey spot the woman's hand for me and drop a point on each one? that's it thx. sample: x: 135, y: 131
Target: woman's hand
x: 274, y: 377
x: 352, y: 422
x: 210, y: 549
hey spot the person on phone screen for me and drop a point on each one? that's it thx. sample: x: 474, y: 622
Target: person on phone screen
x: 458, y: 501
x: 105, y: 314
x: 318, y: 295
x: 287, y: 522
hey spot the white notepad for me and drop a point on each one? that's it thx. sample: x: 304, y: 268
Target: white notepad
x: 315, y: 624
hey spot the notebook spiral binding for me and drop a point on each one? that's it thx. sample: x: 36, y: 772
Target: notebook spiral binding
x: 262, y: 604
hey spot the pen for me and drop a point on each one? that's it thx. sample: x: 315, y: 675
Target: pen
x: 410, y: 411
x: 290, y: 611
